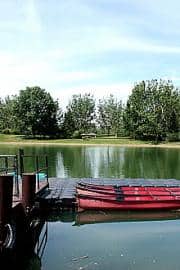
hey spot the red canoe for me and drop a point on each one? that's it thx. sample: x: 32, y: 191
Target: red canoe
x: 128, y: 192
x: 127, y: 188
x: 137, y: 203
x: 109, y: 197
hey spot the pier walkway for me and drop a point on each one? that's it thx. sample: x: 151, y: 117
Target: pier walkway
x: 62, y: 191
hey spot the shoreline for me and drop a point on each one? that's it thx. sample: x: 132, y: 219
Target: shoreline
x: 144, y: 145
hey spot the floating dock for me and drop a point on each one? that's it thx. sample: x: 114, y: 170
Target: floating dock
x: 62, y: 191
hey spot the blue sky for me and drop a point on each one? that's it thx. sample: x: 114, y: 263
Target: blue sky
x: 77, y: 46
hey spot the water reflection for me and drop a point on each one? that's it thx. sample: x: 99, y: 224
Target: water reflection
x: 93, y: 216
x: 118, y: 162
x: 105, y: 161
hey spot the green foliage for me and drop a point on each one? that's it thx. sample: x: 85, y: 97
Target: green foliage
x: 8, y: 120
x: 6, y: 131
x: 36, y: 112
x: 80, y: 113
x: 110, y: 115
x: 76, y: 134
x: 68, y: 125
x: 153, y: 110
x: 173, y: 137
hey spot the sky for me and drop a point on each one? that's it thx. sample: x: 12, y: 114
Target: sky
x: 87, y: 46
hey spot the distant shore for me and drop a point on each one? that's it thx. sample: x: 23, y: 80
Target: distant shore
x: 111, y: 141
x: 92, y: 144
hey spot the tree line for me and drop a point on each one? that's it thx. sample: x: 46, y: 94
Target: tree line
x: 152, y: 112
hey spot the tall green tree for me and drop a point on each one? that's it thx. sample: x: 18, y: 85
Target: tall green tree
x: 37, y: 112
x: 110, y: 115
x: 153, y: 110
x: 1, y: 115
x: 81, y: 110
x: 68, y: 125
x: 8, y: 120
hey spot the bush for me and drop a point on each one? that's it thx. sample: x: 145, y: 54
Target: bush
x: 76, y: 134
x: 173, y: 137
x: 15, y: 132
x: 6, y: 131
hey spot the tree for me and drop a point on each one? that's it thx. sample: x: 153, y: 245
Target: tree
x: 81, y: 111
x: 1, y: 115
x: 153, y: 110
x: 68, y: 125
x: 8, y: 120
x: 37, y: 112
x: 110, y: 115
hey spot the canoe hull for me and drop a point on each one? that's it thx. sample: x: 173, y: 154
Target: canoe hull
x: 130, y: 192
x: 97, y: 204
x: 98, y: 197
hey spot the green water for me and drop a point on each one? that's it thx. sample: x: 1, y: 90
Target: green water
x: 108, y: 161
x: 113, y: 244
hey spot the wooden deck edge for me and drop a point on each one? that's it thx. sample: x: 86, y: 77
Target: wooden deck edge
x: 42, y: 188
x: 16, y: 204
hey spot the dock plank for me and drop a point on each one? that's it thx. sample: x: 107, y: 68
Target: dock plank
x: 64, y: 189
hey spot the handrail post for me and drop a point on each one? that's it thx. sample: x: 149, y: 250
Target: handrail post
x: 6, y: 165
x: 37, y: 171
x: 21, y: 163
x: 16, y: 175
x: 28, y: 189
x: 47, y: 172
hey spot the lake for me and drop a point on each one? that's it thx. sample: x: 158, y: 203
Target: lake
x: 126, y: 241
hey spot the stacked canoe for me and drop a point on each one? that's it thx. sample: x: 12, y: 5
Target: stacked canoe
x: 113, y: 197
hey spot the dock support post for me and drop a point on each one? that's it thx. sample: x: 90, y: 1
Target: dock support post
x: 6, y: 194
x: 28, y: 190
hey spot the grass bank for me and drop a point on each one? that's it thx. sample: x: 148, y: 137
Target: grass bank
x: 21, y: 140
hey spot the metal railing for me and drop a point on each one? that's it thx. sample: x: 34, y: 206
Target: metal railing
x: 16, y: 165
x: 9, y: 165
x: 37, y: 169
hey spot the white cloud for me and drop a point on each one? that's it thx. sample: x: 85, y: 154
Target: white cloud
x: 32, y: 18
x: 24, y: 69
x: 99, y: 91
x: 17, y: 72
x: 105, y: 40
x: 19, y: 16
x: 175, y: 79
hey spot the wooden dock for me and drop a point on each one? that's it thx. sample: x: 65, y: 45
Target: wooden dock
x: 62, y: 191
x: 17, y: 198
